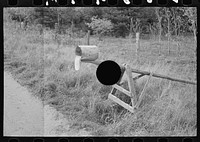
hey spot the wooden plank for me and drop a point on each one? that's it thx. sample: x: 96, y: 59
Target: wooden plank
x: 131, y: 85
x: 122, y: 90
x: 142, y: 92
x: 120, y: 102
x: 163, y: 76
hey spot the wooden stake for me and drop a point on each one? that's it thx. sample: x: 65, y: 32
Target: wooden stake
x: 88, y: 37
x: 131, y: 29
x: 137, y: 44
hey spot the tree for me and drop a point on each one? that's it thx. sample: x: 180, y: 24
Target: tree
x: 176, y: 22
x: 159, y: 18
x: 45, y: 16
x: 100, y: 26
x: 168, y: 17
x: 21, y: 14
x: 120, y: 20
x: 191, y: 13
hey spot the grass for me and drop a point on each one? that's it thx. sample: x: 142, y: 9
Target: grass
x: 168, y: 108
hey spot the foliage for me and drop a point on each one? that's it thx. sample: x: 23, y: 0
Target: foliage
x: 144, y: 19
x: 100, y: 26
x: 191, y: 13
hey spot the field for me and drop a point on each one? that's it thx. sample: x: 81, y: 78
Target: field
x: 168, y: 108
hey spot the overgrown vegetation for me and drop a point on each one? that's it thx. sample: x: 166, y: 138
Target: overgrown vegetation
x: 168, y: 108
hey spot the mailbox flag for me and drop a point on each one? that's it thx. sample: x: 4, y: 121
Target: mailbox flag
x: 77, y: 62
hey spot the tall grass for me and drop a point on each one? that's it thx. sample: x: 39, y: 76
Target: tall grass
x: 168, y: 108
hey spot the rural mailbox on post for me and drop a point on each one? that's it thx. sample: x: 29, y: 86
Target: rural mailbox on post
x: 85, y: 53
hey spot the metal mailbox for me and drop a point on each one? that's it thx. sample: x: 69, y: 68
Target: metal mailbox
x: 85, y: 53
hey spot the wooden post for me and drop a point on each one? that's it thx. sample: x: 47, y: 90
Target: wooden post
x: 131, y: 29
x: 131, y: 85
x: 57, y: 35
x: 88, y: 37
x: 137, y: 43
x: 40, y: 29
x: 78, y: 81
x: 194, y: 30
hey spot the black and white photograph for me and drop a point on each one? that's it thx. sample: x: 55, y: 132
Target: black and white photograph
x: 100, y: 71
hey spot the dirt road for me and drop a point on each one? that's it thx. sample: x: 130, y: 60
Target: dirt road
x: 25, y: 115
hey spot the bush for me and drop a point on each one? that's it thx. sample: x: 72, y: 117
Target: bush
x: 100, y: 26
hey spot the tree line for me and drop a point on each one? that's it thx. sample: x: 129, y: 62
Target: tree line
x: 111, y: 21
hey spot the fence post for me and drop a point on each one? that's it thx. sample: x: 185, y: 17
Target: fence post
x: 137, y: 43
x: 88, y: 37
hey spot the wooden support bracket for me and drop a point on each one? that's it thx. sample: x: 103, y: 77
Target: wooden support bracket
x: 136, y: 99
x: 143, y: 92
x: 131, y: 93
x: 122, y: 90
x: 120, y: 102
x: 131, y: 85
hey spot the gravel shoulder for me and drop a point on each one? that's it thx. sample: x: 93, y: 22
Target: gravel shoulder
x: 25, y: 115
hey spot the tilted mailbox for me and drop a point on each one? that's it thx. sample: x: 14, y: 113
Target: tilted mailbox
x: 86, y: 53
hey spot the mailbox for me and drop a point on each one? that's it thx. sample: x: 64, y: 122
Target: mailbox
x: 85, y: 53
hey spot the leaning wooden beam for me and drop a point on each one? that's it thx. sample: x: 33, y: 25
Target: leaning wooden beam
x: 120, y: 102
x: 143, y: 92
x: 138, y: 76
x: 163, y: 76
x: 122, y: 90
x: 148, y: 73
